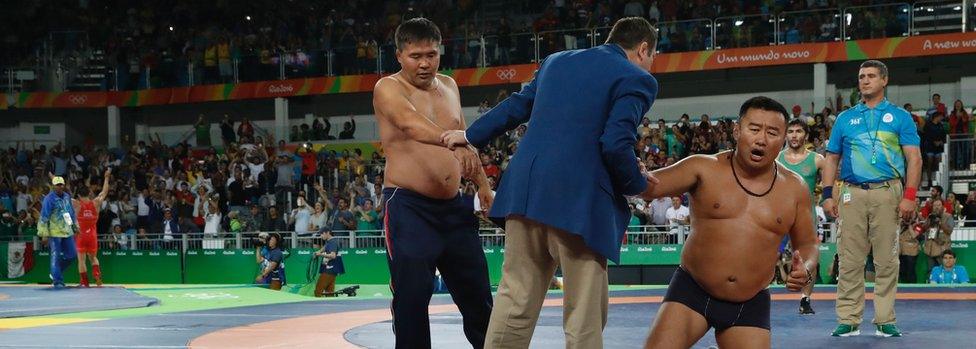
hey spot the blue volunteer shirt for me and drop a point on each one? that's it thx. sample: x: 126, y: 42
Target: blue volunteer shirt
x: 954, y: 275
x: 869, y: 142
x: 334, y: 266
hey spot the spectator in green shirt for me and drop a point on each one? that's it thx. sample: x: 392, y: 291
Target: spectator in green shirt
x: 366, y: 217
x: 28, y: 225
x: 235, y: 222
x: 203, y: 132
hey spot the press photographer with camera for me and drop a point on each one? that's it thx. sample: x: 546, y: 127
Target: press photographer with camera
x: 908, y: 246
x: 271, y: 259
x: 937, y: 227
x: 331, y: 266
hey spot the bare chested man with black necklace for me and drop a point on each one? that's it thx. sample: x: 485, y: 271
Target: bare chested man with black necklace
x: 742, y: 204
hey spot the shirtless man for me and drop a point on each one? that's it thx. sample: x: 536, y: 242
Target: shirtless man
x: 427, y: 223
x: 724, y: 272
x: 807, y: 164
x: 86, y: 209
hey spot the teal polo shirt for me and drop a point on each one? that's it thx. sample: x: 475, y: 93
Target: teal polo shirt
x: 869, y: 142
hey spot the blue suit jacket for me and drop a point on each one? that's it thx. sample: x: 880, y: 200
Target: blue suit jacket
x: 576, y: 161
x: 174, y: 227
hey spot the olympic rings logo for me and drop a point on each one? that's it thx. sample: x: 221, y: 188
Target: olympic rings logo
x: 78, y: 99
x: 506, y: 74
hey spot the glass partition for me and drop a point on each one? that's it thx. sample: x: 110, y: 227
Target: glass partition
x: 934, y: 17
x: 971, y: 16
x: 684, y: 36
x: 876, y: 21
x: 745, y: 31
x: 809, y: 26
x: 524, y: 49
x: 600, y: 35
x: 560, y: 40
x: 453, y: 53
x: 20, y: 79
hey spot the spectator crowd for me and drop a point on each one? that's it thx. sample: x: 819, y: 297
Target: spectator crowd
x: 179, y: 42
x: 255, y: 183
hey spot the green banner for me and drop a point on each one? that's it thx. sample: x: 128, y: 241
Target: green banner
x: 363, y: 265
x: 650, y: 255
x: 130, y: 267
x: 220, y: 266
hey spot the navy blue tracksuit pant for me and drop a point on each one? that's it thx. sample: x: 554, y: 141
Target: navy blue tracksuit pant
x: 422, y: 234
x: 63, y: 252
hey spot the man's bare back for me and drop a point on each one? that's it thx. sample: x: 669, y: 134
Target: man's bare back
x: 733, y: 247
x: 411, y: 164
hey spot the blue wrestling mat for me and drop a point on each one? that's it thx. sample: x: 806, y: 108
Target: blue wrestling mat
x: 19, y: 301
x: 930, y: 317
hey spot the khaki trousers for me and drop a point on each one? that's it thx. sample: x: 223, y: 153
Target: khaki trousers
x: 868, y: 223
x: 532, y: 253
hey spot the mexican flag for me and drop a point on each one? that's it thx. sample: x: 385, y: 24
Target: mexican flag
x: 20, y: 259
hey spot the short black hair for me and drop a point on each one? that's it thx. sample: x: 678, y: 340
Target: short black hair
x: 416, y: 30
x: 763, y: 103
x: 938, y: 188
x: 882, y: 68
x: 936, y: 95
x: 801, y: 123
x: 277, y: 237
x: 948, y: 252
x: 629, y: 32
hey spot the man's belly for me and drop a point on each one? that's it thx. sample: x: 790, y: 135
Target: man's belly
x: 732, y: 269
x: 434, y: 176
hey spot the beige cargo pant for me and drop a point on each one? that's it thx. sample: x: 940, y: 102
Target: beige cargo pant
x: 869, y: 223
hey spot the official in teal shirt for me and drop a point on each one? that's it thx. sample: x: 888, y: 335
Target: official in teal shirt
x: 870, y: 140
x: 876, y: 145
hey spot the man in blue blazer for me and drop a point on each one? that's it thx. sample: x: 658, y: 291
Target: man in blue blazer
x: 563, y: 193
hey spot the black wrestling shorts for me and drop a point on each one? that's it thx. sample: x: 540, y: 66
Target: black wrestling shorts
x: 719, y: 314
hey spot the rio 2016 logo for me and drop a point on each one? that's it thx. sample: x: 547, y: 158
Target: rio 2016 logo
x: 280, y: 89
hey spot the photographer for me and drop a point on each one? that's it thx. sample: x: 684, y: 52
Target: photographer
x: 272, y: 263
x: 937, y: 228
x: 908, y: 252
x: 331, y: 266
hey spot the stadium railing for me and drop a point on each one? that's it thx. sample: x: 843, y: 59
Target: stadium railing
x: 636, y: 235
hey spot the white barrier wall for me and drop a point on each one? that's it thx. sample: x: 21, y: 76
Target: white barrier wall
x: 46, y: 133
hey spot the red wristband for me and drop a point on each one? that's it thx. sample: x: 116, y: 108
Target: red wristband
x: 910, y: 193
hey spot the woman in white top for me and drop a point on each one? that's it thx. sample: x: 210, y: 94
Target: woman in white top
x: 301, y: 216
x: 24, y: 199
x: 213, y: 216
x: 202, y: 191
x: 318, y: 218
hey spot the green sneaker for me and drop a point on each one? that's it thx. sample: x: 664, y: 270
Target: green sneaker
x: 844, y: 330
x: 887, y: 330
